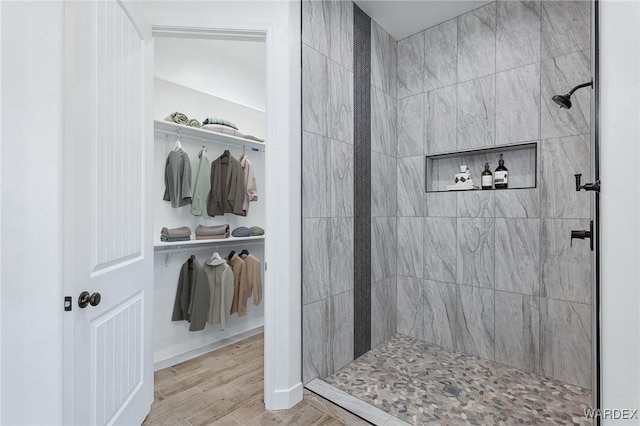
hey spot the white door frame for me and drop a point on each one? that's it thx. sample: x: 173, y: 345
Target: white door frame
x: 279, y: 283
x: 0, y: 213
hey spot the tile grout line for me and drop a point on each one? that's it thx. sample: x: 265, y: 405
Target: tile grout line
x: 540, y: 212
x: 458, y: 302
x: 495, y: 142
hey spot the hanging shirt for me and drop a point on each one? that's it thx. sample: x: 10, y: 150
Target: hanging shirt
x: 192, y: 295
x: 227, y: 186
x: 254, y: 285
x: 240, y: 285
x: 221, y: 291
x: 177, y: 179
x: 251, y: 188
x: 202, y: 187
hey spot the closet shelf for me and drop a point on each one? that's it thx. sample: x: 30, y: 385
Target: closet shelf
x: 161, y: 246
x: 168, y: 128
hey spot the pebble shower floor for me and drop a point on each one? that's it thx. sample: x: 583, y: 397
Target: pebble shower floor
x: 407, y: 378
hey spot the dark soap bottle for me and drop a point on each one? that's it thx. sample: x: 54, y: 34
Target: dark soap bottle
x: 487, y: 177
x: 501, y: 179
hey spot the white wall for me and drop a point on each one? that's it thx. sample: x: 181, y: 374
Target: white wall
x: 0, y: 213
x: 231, y: 69
x: 170, y: 97
x: 32, y: 297
x: 620, y: 206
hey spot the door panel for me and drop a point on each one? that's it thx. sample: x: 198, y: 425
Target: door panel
x: 117, y: 174
x: 108, y: 245
x: 118, y: 357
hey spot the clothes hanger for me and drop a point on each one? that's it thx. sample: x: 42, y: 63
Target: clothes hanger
x: 244, y: 252
x: 216, y: 256
x: 231, y: 255
x: 244, y: 154
x: 178, y: 145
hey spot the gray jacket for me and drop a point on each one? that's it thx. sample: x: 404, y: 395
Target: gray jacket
x: 227, y: 187
x: 177, y: 179
x: 221, y: 287
x: 192, y: 295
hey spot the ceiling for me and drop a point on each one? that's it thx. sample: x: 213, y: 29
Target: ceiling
x: 404, y: 18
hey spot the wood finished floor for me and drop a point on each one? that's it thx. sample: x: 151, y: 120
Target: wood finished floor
x: 224, y: 388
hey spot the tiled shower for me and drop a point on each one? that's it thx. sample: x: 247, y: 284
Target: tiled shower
x: 485, y: 273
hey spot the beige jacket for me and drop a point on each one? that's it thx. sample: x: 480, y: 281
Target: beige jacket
x: 254, y: 288
x: 227, y: 187
x: 240, y: 284
x: 221, y: 289
x: 251, y: 193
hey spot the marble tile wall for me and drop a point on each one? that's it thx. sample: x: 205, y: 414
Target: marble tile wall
x: 410, y: 128
x: 327, y: 186
x: 440, y: 120
x: 391, y: 240
x: 328, y: 182
x: 497, y: 277
x: 383, y: 314
x: 517, y: 34
x: 518, y: 105
x: 477, y: 43
x: 476, y: 113
x: 383, y: 60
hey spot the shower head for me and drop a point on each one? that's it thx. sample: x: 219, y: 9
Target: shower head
x: 565, y: 100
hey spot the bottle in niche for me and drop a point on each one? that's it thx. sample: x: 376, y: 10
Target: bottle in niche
x: 487, y: 177
x: 501, y: 179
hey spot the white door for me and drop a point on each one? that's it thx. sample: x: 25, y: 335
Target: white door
x: 108, y: 246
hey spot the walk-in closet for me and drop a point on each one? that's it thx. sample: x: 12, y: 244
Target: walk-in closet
x: 209, y: 208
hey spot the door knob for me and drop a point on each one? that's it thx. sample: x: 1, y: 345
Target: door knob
x: 89, y: 299
x: 95, y: 299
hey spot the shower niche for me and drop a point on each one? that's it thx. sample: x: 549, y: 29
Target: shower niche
x: 521, y: 161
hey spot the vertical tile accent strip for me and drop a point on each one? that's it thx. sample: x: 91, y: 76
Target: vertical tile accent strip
x: 362, y: 181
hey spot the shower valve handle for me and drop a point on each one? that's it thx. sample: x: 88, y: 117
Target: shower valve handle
x: 593, y: 186
x: 582, y: 234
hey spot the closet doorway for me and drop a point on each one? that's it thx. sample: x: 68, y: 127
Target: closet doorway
x: 209, y: 215
x: 106, y: 83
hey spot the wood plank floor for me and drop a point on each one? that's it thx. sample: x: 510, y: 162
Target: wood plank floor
x: 224, y: 388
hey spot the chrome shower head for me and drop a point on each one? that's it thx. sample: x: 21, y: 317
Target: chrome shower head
x: 565, y: 100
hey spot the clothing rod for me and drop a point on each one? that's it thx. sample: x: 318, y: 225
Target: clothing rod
x: 211, y: 137
x: 191, y: 247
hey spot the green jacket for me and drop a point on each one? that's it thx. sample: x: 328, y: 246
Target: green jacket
x: 192, y: 295
x: 202, y: 187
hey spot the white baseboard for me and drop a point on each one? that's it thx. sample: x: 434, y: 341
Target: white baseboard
x: 159, y: 365
x: 287, y: 398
